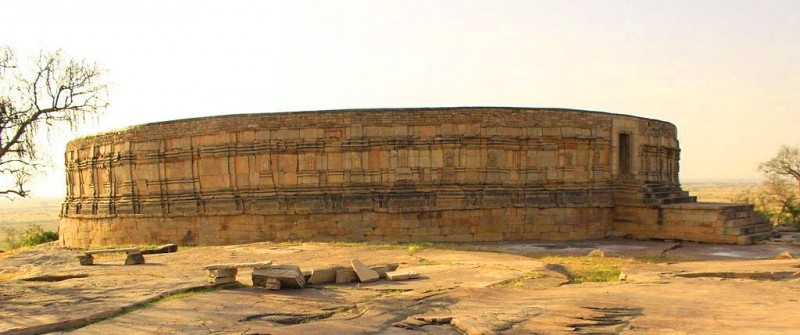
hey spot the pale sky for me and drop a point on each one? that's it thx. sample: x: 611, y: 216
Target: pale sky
x: 726, y: 73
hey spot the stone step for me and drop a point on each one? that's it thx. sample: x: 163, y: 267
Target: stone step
x: 678, y: 200
x: 752, y: 238
x: 742, y: 215
x: 664, y: 195
x: 745, y: 221
x: 748, y: 230
x: 624, y: 218
x: 660, y: 189
x: 733, y: 209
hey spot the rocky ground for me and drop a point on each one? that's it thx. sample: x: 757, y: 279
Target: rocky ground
x: 519, y: 288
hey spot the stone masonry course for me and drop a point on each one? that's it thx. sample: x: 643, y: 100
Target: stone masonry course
x: 427, y: 174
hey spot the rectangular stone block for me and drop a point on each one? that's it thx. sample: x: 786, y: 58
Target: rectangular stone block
x: 222, y: 273
x: 365, y: 274
x: 289, y: 278
x: 401, y: 275
x: 324, y: 275
x: 255, y: 265
x: 221, y: 280
x: 346, y: 276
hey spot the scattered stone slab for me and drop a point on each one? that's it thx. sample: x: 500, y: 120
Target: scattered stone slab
x: 435, y: 318
x: 272, y: 284
x: 111, y: 251
x: 324, y: 275
x: 289, y: 276
x: 223, y: 273
x: 401, y: 275
x: 346, y: 276
x: 380, y: 269
x: 133, y: 256
x: 161, y: 249
x: 291, y: 267
x: 222, y: 276
x: 365, y: 274
x: 221, y: 280
x: 256, y: 265
x: 219, y: 274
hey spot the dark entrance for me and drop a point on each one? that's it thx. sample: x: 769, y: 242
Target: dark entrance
x: 624, y: 155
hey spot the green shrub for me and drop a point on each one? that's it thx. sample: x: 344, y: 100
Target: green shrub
x: 31, y: 236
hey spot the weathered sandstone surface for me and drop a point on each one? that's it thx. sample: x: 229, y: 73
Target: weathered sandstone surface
x: 428, y: 174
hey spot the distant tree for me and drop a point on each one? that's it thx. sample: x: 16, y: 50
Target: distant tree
x: 52, y: 90
x: 785, y: 164
x: 778, y: 197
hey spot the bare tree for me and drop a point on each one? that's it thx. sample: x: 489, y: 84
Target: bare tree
x: 778, y: 196
x: 54, y: 90
x: 786, y: 163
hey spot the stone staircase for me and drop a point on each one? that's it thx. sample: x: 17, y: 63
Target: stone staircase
x: 639, y: 193
x: 748, y: 225
x: 660, y: 194
x: 667, y: 211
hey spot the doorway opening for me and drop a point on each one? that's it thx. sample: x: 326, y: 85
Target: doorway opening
x: 624, y: 155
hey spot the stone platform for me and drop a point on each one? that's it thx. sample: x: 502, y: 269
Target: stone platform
x: 464, y: 174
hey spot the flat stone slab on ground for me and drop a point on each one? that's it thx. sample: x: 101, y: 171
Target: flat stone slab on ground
x: 401, y: 275
x: 161, y: 249
x: 382, y: 269
x: 289, y: 278
x: 255, y: 265
x: 223, y: 273
x: 365, y: 274
x: 221, y: 280
x: 460, y: 284
x: 111, y: 251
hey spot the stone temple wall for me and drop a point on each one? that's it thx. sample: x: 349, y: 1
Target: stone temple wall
x: 432, y: 174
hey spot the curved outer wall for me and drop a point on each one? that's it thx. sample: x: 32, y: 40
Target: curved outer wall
x: 441, y: 174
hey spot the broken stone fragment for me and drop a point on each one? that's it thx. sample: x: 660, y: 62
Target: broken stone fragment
x: 287, y: 267
x: 435, y: 319
x: 272, y: 284
x: 380, y: 269
x: 401, y: 275
x: 162, y: 249
x: 134, y: 258
x: 346, y: 276
x: 221, y: 280
x: 324, y: 275
x: 223, y: 273
x: 365, y: 274
x: 86, y: 259
x: 289, y: 277
x: 257, y: 265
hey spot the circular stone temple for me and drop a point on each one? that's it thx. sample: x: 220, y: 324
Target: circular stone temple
x: 423, y: 174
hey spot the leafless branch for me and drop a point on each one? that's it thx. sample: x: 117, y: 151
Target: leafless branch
x: 56, y: 90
